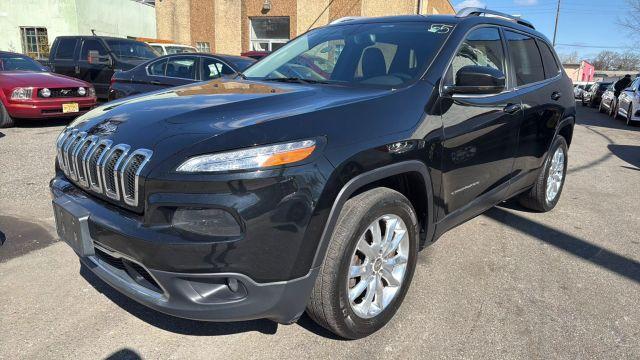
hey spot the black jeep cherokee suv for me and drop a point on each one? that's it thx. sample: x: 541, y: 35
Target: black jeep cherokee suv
x: 312, y: 180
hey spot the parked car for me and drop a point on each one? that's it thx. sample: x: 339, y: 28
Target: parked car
x: 29, y: 91
x: 174, y: 70
x: 593, y: 94
x: 257, y: 55
x: 629, y: 103
x: 265, y: 195
x: 608, y: 101
x: 94, y: 59
x: 579, y: 88
x: 169, y: 49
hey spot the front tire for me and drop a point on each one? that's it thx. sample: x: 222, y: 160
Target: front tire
x: 545, y: 193
x: 369, y: 264
x: 629, y: 115
x: 5, y: 120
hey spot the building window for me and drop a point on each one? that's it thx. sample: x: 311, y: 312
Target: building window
x: 203, y: 47
x: 268, y: 33
x: 35, y: 42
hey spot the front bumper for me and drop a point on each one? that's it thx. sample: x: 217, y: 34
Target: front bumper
x: 157, y: 270
x: 44, y: 108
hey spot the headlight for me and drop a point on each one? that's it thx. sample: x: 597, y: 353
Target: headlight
x: 92, y: 92
x: 22, y: 93
x: 82, y: 91
x: 254, y: 158
x: 45, y: 93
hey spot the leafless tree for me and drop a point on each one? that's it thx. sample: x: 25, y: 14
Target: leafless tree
x: 631, y: 21
x: 570, y: 58
x: 606, y: 60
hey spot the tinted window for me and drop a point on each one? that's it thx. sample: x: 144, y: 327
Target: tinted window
x: 551, y: 68
x: 182, y: 67
x: 382, y: 54
x: 66, y: 48
x: 92, y: 45
x: 242, y: 64
x: 604, y: 86
x: 525, y: 57
x: 131, y: 49
x: 482, y: 47
x: 157, y: 68
x: 214, y: 68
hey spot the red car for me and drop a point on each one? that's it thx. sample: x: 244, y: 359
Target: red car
x: 29, y: 91
x: 255, y: 54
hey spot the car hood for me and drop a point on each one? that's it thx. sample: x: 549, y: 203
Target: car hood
x: 38, y: 79
x: 174, y: 119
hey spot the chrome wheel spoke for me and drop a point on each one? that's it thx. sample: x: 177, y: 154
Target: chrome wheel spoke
x: 395, y: 242
x: 360, y: 287
x: 370, y: 251
x: 389, y: 278
x: 379, y: 293
x: 367, y: 301
x: 357, y: 270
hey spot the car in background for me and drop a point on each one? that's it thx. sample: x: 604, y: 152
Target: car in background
x: 175, y: 70
x: 579, y: 88
x: 169, y: 49
x: 593, y: 94
x: 608, y: 101
x: 95, y: 59
x: 257, y: 55
x: 629, y: 103
x: 29, y: 91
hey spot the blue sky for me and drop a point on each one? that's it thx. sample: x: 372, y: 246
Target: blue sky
x: 582, y: 22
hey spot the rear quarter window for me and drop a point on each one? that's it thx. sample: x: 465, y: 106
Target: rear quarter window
x: 551, y: 68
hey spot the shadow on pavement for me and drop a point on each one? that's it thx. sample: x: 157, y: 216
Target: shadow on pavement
x: 1, y: 135
x: 591, y: 117
x: 124, y: 354
x: 628, y: 153
x: 597, y: 255
x: 18, y: 237
x: 175, y: 324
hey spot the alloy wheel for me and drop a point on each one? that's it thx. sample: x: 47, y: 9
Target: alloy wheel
x: 378, y: 266
x: 556, y: 175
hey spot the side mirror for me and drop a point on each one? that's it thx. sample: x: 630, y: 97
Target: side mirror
x: 473, y: 79
x: 96, y: 59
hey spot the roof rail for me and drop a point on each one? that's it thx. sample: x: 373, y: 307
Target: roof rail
x: 345, y: 19
x: 471, y: 11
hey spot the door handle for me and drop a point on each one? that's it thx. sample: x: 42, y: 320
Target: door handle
x: 556, y: 96
x: 77, y: 69
x: 512, y: 108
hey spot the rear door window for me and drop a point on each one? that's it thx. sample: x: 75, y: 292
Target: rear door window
x: 182, y: 67
x: 66, y: 49
x: 551, y: 68
x: 525, y: 58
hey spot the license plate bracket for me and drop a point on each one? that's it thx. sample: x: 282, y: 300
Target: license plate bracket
x: 72, y: 225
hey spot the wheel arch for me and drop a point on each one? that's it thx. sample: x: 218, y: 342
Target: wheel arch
x: 565, y: 129
x: 393, y: 173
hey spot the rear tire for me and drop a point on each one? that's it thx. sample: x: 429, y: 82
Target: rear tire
x: 600, y: 109
x: 545, y: 193
x: 612, y: 108
x: 335, y: 302
x: 5, y: 120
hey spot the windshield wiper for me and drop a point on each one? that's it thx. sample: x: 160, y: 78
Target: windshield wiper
x: 297, y: 80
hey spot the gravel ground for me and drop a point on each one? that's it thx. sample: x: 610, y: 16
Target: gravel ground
x: 507, y: 284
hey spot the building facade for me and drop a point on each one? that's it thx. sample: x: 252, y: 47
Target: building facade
x: 236, y: 26
x: 582, y: 72
x: 30, y: 26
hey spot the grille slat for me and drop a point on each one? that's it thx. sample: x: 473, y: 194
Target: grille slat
x: 100, y: 167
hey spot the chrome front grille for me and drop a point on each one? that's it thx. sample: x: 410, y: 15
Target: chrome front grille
x: 101, y: 167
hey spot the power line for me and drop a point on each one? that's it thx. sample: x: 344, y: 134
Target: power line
x: 595, y: 46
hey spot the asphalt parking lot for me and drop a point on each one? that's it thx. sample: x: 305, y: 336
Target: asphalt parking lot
x: 508, y: 284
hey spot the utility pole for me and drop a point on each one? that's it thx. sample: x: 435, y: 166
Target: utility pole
x: 555, y: 30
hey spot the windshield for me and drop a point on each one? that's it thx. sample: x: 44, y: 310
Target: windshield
x: 369, y: 54
x: 179, y: 49
x: 604, y: 86
x: 131, y: 49
x: 18, y: 62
